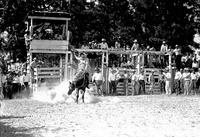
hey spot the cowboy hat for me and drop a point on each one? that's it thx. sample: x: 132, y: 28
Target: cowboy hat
x: 135, y: 41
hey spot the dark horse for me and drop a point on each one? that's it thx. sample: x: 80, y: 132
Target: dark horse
x: 81, y: 85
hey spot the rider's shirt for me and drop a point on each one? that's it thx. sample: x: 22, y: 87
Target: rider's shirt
x: 83, y: 65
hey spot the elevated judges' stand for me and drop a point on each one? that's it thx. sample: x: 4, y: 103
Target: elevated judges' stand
x: 49, y: 40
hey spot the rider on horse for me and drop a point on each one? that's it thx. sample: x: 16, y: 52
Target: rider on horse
x: 83, y: 68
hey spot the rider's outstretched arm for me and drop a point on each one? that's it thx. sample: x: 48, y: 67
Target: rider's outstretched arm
x: 74, y: 57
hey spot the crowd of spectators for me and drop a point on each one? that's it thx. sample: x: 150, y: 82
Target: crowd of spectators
x: 185, y: 78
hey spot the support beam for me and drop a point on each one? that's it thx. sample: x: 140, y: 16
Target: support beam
x: 170, y: 70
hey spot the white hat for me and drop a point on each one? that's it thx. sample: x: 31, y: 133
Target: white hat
x: 135, y: 40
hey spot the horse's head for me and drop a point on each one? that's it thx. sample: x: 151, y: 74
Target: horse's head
x: 71, y: 88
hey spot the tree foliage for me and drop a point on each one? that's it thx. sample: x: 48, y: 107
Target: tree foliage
x: 149, y: 21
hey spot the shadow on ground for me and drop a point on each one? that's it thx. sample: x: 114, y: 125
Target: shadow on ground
x: 8, y: 131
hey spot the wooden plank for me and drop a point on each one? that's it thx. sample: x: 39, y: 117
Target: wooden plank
x: 51, y: 76
x: 56, y: 68
x: 48, y: 18
x: 121, y: 51
x: 47, y: 73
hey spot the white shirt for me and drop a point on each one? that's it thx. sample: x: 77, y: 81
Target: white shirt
x: 104, y: 45
x: 178, y: 75
x: 141, y: 77
x: 97, y: 76
x: 135, y: 46
x: 186, y: 76
x: 167, y: 76
x: 195, y: 64
x: 134, y: 77
x: 112, y: 77
x: 25, y: 78
x: 177, y: 51
x: 194, y: 76
x: 16, y: 79
x: 163, y: 48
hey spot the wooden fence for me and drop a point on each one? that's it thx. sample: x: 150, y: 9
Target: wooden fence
x: 51, y: 76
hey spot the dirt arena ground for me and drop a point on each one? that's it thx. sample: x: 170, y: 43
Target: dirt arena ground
x: 120, y: 116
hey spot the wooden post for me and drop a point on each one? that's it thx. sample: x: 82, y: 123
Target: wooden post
x: 170, y: 70
x: 102, y: 70
x: 31, y: 27
x: 138, y: 63
x: 66, y: 55
x: 60, y: 68
x: 107, y: 73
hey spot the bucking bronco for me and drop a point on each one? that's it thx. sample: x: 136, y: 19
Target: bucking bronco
x: 80, y: 85
x: 81, y: 78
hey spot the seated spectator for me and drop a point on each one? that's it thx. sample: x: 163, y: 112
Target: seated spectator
x: 135, y: 45
x: 164, y: 47
x: 117, y: 45
x: 103, y: 44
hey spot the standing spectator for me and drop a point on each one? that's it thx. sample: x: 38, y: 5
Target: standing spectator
x: 126, y: 78
x: 1, y: 86
x: 198, y: 79
x: 9, y: 81
x: 25, y: 79
x: 177, y: 52
x: 33, y: 65
x: 112, y: 78
x: 183, y: 62
x: 4, y: 86
x: 28, y: 39
x: 164, y: 49
x: 98, y: 79
x: 189, y: 61
x: 103, y: 44
x: 134, y: 81
x: 194, y: 78
x: 152, y: 82
x: 195, y: 63
x: 187, y: 80
x: 181, y: 82
x: 168, y: 82
x: 141, y: 79
x: 135, y: 45
x: 16, y: 81
x: 162, y: 82
x: 177, y: 81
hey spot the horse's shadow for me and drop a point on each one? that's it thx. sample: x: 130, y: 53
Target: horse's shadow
x: 9, y: 131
